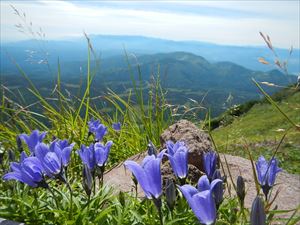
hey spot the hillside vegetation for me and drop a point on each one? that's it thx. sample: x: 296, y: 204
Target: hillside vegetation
x: 261, y: 129
x: 184, y: 75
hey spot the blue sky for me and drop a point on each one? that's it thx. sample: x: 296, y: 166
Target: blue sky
x: 222, y: 22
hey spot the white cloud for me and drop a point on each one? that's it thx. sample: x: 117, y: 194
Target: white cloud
x: 59, y: 19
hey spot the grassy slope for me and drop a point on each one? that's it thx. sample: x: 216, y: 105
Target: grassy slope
x: 259, y: 128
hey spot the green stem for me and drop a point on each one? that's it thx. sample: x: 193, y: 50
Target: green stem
x: 71, y: 200
x: 160, y: 217
x: 157, y: 203
x: 88, y: 203
x: 54, y: 197
x: 94, y: 182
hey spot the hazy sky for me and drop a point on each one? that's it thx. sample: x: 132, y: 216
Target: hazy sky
x: 223, y: 22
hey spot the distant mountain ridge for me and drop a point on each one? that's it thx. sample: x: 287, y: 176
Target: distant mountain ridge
x: 74, y: 49
x: 184, y: 76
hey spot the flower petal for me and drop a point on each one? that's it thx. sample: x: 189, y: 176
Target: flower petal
x: 261, y: 168
x: 188, y: 191
x: 153, y: 173
x: 203, y: 205
x: 140, y: 175
x: 203, y: 183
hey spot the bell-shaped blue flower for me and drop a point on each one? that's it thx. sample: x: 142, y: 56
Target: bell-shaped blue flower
x: 179, y: 162
x: 148, y: 174
x: 210, y: 163
x: 172, y: 148
x: 98, y: 129
x: 216, y: 188
x: 102, y: 152
x: 93, y: 125
x: 266, y: 173
x: 50, y: 160
x: 116, y: 126
x: 201, y: 200
x: 87, y: 155
x: 33, y: 139
x: 29, y: 171
x: 63, y: 149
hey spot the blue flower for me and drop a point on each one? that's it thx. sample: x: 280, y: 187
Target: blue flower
x: 51, y: 162
x: 116, y: 126
x: 179, y: 162
x: 98, y: 129
x: 63, y: 149
x: 210, y: 163
x: 33, y: 139
x: 148, y: 175
x: 172, y: 148
x: 93, y: 125
x: 29, y: 171
x: 87, y: 155
x: 266, y: 173
x: 217, y: 189
x: 201, y: 200
x: 102, y: 152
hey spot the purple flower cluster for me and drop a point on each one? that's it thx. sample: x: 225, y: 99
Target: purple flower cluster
x: 44, y: 160
x: 203, y: 200
x: 51, y: 161
x: 95, y: 155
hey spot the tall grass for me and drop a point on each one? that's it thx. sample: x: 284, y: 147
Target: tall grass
x: 65, y: 115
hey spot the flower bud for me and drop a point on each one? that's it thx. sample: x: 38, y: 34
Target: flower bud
x: 11, y: 155
x: 218, y: 190
x: 87, y: 180
x: 258, y: 215
x: 19, y: 144
x: 1, y: 156
x: 151, y: 149
x: 240, y: 189
x: 122, y: 198
x: 170, y: 193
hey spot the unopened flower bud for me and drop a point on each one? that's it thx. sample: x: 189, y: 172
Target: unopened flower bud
x: 151, y: 149
x: 170, y: 193
x: 11, y: 155
x: 258, y: 214
x: 1, y: 155
x: 87, y: 180
x: 19, y: 144
x: 122, y: 198
x: 218, y: 190
x: 240, y: 189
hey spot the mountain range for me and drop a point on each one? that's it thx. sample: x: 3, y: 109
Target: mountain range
x: 186, y: 77
x: 75, y: 49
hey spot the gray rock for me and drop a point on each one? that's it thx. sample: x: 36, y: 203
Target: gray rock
x: 197, y: 141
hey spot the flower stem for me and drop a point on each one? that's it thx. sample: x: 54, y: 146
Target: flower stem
x: 157, y: 203
x: 71, y: 200
x: 54, y: 197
